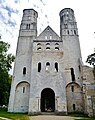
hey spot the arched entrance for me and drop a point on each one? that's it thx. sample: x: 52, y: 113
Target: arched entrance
x: 47, y: 100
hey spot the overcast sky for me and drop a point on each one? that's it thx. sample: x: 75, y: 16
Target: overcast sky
x: 48, y: 14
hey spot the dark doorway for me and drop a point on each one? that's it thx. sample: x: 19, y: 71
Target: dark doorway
x: 47, y: 100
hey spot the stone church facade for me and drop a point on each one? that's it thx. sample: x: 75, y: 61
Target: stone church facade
x: 49, y: 75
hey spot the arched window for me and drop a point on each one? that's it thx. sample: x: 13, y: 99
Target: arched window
x: 39, y: 44
x: 47, y: 66
x: 39, y: 67
x: 56, y: 48
x: 48, y: 48
x: 24, y: 70
x: 47, y: 43
x: 56, y: 66
x: 39, y: 48
x: 72, y: 74
x: 56, y: 44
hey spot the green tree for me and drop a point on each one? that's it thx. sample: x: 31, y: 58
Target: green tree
x: 6, y: 60
x: 91, y: 61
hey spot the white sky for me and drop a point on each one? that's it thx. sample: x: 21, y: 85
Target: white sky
x: 48, y: 14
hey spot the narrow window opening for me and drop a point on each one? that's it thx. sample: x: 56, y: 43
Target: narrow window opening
x: 61, y: 18
x: 72, y: 74
x: 47, y: 66
x: 56, y: 66
x: 74, y: 107
x: 23, y: 89
x: 74, y: 32
x: 39, y: 67
x: 68, y: 32
x: 24, y: 70
x: 72, y: 88
x: 79, y: 68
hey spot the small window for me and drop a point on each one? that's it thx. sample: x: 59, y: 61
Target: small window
x: 23, y: 89
x: 56, y: 44
x: 72, y: 74
x: 50, y: 37
x: 68, y: 32
x: 75, y: 32
x: 56, y: 48
x: 47, y: 64
x: 47, y: 43
x: 39, y: 48
x: 39, y: 44
x: 74, y: 107
x: 79, y: 68
x: 56, y: 66
x: 24, y: 70
x: 39, y: 67
x: 48, y: 48
x: 28, y: 26
x: 45, y: 37
x: 72, y: 88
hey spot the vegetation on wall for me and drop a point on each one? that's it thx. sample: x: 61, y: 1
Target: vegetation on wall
x: 6, y: 60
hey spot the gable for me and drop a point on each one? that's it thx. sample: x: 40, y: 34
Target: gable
x: 48, y: 34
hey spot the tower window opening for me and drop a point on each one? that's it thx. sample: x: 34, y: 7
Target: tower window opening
x: 39, y: 44
x: 74, y: 107
x: 56, y: 66
x: 50, y: 37
x: 48, y: 48
x: 24, y: 70
x: 23, y: 89
x: 68, y: 32
x: 47, y: 43
x: 61, y: 18
x: 56, y: 48
x: 47, y: 66
x: 39, y: 67
x: 28, y: 26
x: 56, y: 44
x: 39, y: 48
x: 79, y: 68
x: 75, y: 32
x: 72, y: 88
x: 72, y: 74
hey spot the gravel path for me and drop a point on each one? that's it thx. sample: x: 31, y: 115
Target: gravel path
x: 52, y: 117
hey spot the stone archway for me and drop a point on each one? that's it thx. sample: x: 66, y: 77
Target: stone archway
x: 47, y: 100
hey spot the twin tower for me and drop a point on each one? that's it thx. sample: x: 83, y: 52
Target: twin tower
x: 47, y: 70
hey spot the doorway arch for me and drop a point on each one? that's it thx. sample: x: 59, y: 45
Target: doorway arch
x: 47, y: 100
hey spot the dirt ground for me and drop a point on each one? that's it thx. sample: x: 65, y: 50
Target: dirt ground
x: 52, y: 117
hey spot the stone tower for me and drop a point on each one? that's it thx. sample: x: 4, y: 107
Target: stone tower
x: 47, y: 71
x: 22, y: 68
x: 72, y: 59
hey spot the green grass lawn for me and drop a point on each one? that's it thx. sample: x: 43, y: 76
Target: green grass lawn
x: 14, y: 116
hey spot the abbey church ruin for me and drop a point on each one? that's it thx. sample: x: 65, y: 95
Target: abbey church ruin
x: 49, y: 75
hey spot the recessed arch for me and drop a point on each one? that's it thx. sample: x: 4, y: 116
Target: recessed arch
x: 47, y: 100
x: 21, y: 100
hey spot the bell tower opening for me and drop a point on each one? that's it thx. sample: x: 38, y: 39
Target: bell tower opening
x: 47, y: 100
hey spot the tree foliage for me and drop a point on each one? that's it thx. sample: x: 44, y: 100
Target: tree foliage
x: 5, y: 65
x: 91, y: 61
